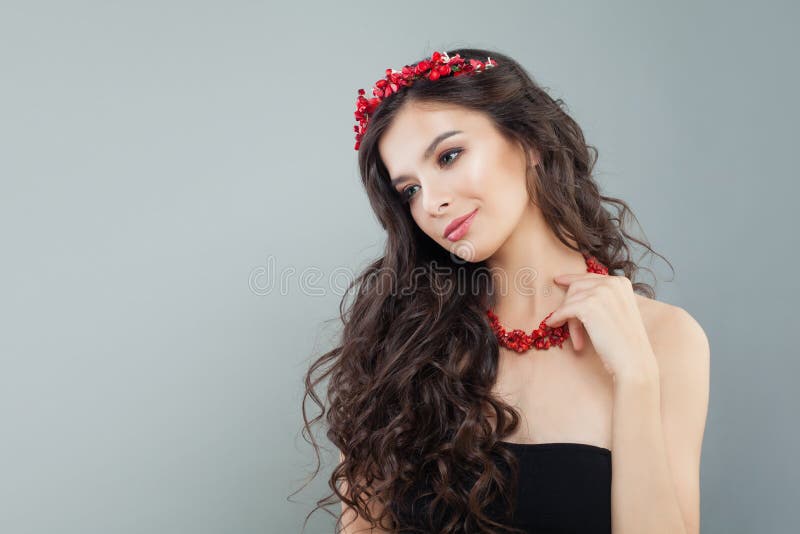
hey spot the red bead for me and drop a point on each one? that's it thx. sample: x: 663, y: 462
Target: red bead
x: 545, y: 336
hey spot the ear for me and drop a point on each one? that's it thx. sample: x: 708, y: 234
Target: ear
x: 534, y: 157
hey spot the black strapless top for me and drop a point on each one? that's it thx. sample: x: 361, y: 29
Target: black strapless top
x: 563, y: 488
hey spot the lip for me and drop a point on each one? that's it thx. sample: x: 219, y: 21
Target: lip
x: 459, y: 226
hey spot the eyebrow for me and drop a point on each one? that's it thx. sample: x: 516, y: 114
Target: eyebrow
x: 428, y: 152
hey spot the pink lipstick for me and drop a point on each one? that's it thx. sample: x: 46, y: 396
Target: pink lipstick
x: 458, y: 227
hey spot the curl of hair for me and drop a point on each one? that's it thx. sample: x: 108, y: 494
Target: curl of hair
x: 409, y: 387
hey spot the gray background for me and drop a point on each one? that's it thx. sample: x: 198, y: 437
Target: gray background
x: 160, y: 159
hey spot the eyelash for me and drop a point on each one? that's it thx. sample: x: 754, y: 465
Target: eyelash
x: 405, y: 197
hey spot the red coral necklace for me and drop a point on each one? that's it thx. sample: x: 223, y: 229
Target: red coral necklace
x: 545, y: 336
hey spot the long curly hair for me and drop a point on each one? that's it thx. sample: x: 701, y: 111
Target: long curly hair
x: 409, y: 388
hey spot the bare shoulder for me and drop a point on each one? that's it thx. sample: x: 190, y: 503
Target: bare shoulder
x: 650, y: 309
x: 678, y: 340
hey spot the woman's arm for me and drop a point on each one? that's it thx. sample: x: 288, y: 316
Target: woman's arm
x: 658, y: 425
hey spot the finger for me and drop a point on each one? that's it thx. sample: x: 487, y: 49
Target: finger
x: 568, y: 308
x: 579, y: 284
x: 574, y: 326
x: 571, y: 277
x: 576, y: 334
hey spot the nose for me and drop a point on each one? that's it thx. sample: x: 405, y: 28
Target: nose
x: 434, y: 201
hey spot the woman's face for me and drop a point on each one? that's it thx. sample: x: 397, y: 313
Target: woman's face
x: 444, y: 176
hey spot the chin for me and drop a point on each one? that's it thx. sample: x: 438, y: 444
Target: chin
x: 466, y: 250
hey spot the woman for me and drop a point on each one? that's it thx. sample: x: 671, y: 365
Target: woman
x: 497, y: 362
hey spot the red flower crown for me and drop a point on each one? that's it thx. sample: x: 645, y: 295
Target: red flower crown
x: 437, y: 66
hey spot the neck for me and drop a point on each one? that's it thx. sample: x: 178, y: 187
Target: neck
x: 523, y: 269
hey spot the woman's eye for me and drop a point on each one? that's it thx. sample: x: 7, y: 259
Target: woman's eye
x: 406, y: 195
x: 450, y: 153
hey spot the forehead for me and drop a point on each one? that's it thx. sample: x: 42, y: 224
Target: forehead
x: 416, y: 124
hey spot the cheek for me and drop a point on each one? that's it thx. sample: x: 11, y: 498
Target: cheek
x: 492, y: 180
x: 505, y: 201
x: 475, y: 180
x: 511, y: 183
x: 502, y: 191
x: 511, y: 191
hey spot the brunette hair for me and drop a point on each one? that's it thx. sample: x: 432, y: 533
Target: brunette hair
x: 409, y: 387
